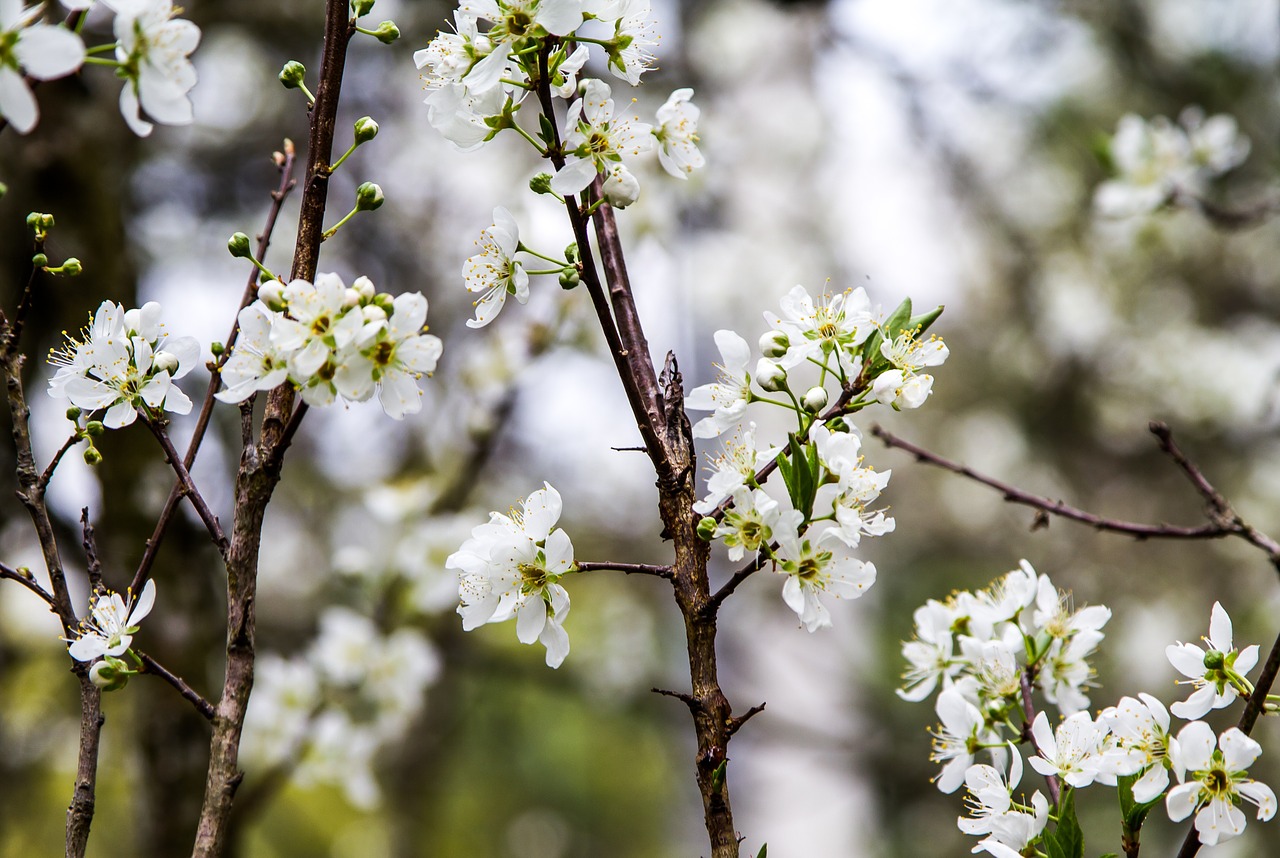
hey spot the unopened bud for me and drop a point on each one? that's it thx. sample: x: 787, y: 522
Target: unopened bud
x: 238, y: 246
x: 361, y: 8
x: 387, y: 32
x: 71, y: 268
x: 774, y: 344
x: 569, y: 278
x: 278, y: 158
x: 707, y: 528
x: 92, y: 456
x: 165, y: 362
x: 815, y: 399
x: 620, y: 187
x: 293, y: 74
x: 109, y: 674
x: 770, y: 376
x: 366, y: 129
x: 385, y: 301
x: 373, y: 313
x: 365, y: 287
x: 350, y: 298
x: 95, y: 428
x: 216, y: 348
x: 271, y: 293
x: 40, y: 260
x: 541, y: 183
x: 571, y: 252
x: 1214, y: 660
x: 73, y: 413
x: 368, y: 197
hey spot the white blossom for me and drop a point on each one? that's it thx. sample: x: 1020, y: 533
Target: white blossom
x: 153, y: 50
x: 109, y: 628
x: 1213, y: 688
x: 814, y: 566
x: 1213, y: 780
x: 729, y: 396
x: 833, y: 324
x: 596, y: 138
x: 1070, y: 752
x: 29, y: 49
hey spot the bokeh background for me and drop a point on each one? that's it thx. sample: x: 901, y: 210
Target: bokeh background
x: 943, y: 149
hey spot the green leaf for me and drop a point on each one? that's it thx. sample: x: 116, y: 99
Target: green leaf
x: 803, y: 484
x: 545, y: 129
x: 1067, y: 840
x: 764, y: 851
x: 898, y: 320
x: 922, y: 322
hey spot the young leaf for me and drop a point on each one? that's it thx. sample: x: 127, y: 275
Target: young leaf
x: 898, y: 320
x: 1066, y: 840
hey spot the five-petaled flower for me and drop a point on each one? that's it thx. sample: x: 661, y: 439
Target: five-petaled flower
x: 112, y: 621
x: 1213, y: 781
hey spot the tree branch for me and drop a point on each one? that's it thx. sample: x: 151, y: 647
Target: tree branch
x: 629, y: 568
x: 204, y: 707
x: 188, y: 487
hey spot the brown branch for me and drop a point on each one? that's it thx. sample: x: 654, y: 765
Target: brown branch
x: 83, y: 798
x: 736, y: 722
x: 150, y: 665
x: 629, y: 568
x: 188, y: 486
x: 1059, y: 508
x: 47, y: 475
x: 278, y: 196
x: 1029, y: 712
x: 738, y: 577
x: 24, y: 578
x: 93, y: 562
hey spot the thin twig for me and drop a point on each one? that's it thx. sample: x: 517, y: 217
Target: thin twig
x: 93, y: 562
x: 26, y: 580
x: 738, y: 577
x: 189, y: 487
x: 43, y: 482
x: 735, y: 723
x: 629, y: 568
x: 286, y: 438
x: 204, y: 707
x: 1029, y: 712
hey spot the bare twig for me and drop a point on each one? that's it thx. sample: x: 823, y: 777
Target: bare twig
x: 735, y: 723
x: 188, y: 486
x: 738, y: 577
x: 24, y: 578
x: 43, y: 482
x: 204, y: 707
x: 629, y: 568
x: 93, y: 562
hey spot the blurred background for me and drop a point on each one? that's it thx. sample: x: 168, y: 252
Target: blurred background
x: 944, y: 150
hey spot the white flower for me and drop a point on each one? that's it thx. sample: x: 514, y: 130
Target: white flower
x: 900, y: 390
x: 125, y: 361
x: 954, y: 744
x: 930, y: 655
x: 1071, y: 751
x: 1139, y: 731
x: 621, y: 188
x: 111, y: 624
x: 256, y: 362
x: 677, y: 135
x: 450, y: 56
x: 835, y: 323
x: 816, y: 566
x: 462, y: 115
x: 515, y: 18
x: 630, y: 50
x: 1065, y: 670
x: 286, y: 694
x: 1217, y: 781
x: 596, y: 139
x: 1213, y: 687
x: 1009, y: 827
x: 737, y: 465
x: 28, y: 49
x: 391, y: 355
x: 749, y: 524
x: 494, y: 270
x: 153, y: 50
x: 511, y: 566
x: 729, y: 396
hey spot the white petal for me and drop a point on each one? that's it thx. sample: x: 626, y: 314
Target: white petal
x: 47, y: 52
x: 1220, y: 628
x: 17, y: 104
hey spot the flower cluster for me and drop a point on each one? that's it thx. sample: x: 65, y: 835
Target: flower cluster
x: 107, y: 633
x: 152, y: 51
x: 835, y: 341
x: 512, y: 566
x: 988, y: 651
x: 478, y: 78
x: 124, y: 361
x: 1157, y: 161
x: 329, y: 709
x: 331, y: 340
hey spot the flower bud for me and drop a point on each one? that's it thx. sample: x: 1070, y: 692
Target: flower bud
x: 4, y: 189
x: 368, y: 197
x: 373, y: 313
x: 165, y: 362
x: 350, y: 298
x: 73, y: 413
x: 571, y: 253
x: 40, y: 222
x: 569, y: 278
x: 40, y: 260
x: 387, y: 32
x: 707, y: 528
x: 271, y: 293
x: 1214, y: 660
x: 366, y: 129
x: 774, y: 344
x: 109, y: 674
x: 238, y: 246
x: 92, y: 456
x: 385, y: 301
x: 360, y: 8
x: 364, y: 286
x: 293, y: 74
x: 621, y: 188
x: 770, y: 376
x: 71, y: 268
x: 216, y: 348
x: 815, y: 399
x: 541, y: 183
x: 95, y: 428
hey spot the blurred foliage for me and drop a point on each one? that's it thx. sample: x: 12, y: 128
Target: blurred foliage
x: 946, y: 150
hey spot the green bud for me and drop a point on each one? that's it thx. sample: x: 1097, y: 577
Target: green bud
x: 387, y: 32
x: 92, y: 456
x: 774, y: 344
x: 1214, y: 660
x: 110, y: 674
x: 360, y: 8
x: 95, y: 428
x: 717, y: 777
x: 569, y: 278
x: 541, y: 183
x: 837, y: 424
x: 216, y: 349
x: 366, y: 129
x: 40, y: 222
x: 707, y: 528
x: 368, y: 197
x: 39, y: 260
x: 385, y: 301
x: 571, y: 253
x: 71, y: 268
x: 815, y: 399
x: 73, y: 413
x: 271, y: 293
x: 238, y: 246
x: 293, y: 74
x: 4, y: 189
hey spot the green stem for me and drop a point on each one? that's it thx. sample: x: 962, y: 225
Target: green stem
x: 338, y: 163
x: 328, y: 233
